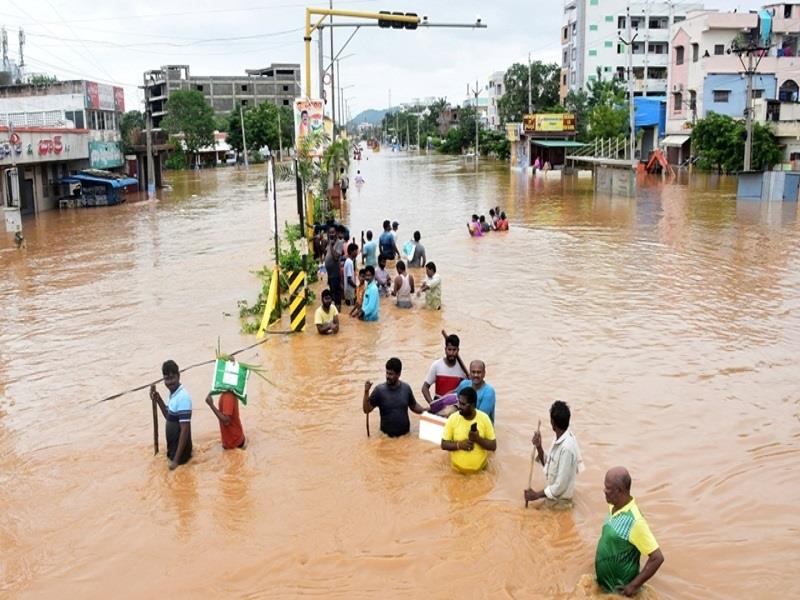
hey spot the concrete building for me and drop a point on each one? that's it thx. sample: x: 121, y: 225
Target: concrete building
x: 590, y: 42
x: 279, y: 83
x: 482, y: 105
x: 705, y: 78
x: 496, y: 90
x: 52, y: 131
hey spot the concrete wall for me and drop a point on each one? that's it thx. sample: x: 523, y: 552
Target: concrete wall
x: 736, y: 85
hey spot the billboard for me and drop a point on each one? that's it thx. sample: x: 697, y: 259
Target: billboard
x: 105, y: 155
x: 104, y: 97
x: 512, y: 132
x: 549, y: 123
x: 308, y: 118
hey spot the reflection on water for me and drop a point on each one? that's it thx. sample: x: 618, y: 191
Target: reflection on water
x: 668, y: 322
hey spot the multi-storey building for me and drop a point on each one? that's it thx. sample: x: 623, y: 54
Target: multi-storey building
x: 278, y: 83
x: 496, y: 90
x: 706, y: 76
x: 51, y: 131
x: 591, y: 46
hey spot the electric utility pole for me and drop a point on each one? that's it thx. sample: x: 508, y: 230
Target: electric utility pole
x: 475, y: 93
x: 148, y: 111
x: 333, y: 83
x: 631, y: 109
x: 754, y: 51
x: 530, y: 103
x: 244, y: 140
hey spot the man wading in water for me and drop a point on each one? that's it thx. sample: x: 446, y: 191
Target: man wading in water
x: 178, y: 413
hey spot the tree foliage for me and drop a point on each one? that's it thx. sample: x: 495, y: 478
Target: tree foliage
x: 544, y: 90
x: 190, y: 114
x: 131, y: 126
x: 718, y: 142
x: 261, y: 127
x: 43, y: 79
x: 607, y: 108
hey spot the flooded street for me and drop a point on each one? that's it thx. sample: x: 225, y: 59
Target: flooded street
x: 669, y: 323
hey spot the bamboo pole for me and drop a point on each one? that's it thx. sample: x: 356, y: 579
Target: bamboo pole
x: 155, y: 427
x: 533, y: 461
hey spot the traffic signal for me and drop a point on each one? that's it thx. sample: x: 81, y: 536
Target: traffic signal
x: 386, y: 24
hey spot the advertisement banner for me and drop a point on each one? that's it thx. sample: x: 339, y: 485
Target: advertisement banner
x: 100, y: 96
x: 105, y: 155
x: 549, y: 123
x: 308, y: 118
x: 512, y: 132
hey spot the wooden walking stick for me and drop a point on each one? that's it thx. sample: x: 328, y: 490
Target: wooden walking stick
x: 533, y: 461
x: 155, y: 426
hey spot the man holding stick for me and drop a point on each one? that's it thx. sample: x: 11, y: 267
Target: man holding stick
x: 445, y: 373
x: 562, y: 463
x: 178, y: 413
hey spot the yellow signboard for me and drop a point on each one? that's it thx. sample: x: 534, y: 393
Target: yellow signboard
x: 512, y: 132
x: 549, y: 123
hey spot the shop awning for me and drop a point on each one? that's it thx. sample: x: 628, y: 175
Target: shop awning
x: 676, y: 140
x: 114, y: 183
x: 557, y: 143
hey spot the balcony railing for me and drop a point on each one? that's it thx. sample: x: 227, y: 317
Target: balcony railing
x: 43, y: 118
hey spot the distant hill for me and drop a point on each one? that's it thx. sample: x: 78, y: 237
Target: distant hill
x: 373, y: 116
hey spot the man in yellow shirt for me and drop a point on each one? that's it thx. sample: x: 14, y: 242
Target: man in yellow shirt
x: 326, y: 318
x: 468, y: 435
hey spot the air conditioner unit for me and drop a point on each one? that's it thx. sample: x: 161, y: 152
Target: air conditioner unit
x: 677, y: 87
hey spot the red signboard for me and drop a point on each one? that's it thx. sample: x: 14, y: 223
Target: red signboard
x: 119, y: 99
x: 92, y: 95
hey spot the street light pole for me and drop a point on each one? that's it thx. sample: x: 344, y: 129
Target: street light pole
x: 151, y: 176
x: 631, y: 107
x: 530, y: 103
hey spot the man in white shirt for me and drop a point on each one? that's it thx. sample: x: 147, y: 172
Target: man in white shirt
x: 563, y: 462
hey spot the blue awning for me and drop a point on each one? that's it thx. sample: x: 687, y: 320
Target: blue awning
x: 114, y: 183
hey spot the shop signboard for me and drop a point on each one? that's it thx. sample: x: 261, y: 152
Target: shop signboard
x: 100, y: 96
x: 26, y: 147
x: 549, y: 123
x: 105, y: 155
x: 512, y: 132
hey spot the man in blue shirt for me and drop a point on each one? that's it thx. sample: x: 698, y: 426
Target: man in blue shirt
x: 387, y: 243
x: 369, y: 252
x: 485, y: 392
x: 178, y: 413
x: 370, y: 306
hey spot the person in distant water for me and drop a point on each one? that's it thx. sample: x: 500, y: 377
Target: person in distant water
x: 382, y: 278
x: 484, y: 391
x: 494, y: 216
x: 418, y: 258
x: 537, y: 164
x: 333, y: 254
x: 369, y: 253
x: 502, y: 222
x: 445, y: 373
x: 359, y: 179
x: 360, y: 290
x: 230, y: 426
x: 624, y: 539
x: 350, y: 275
x: 387, y: 244
x: 370, y: 306
x: 564, y: 461
x: 326, y: 317
x: 468, y: 435
x: 344, y: 182
x: 393, y: 399
x: 432, y: 286
x: 474, y: 227
x: 178, y: 414
x: 403, y: 286
x: 484, y: 225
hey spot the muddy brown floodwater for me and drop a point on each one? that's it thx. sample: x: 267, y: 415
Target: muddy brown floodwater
x: 670, y: 323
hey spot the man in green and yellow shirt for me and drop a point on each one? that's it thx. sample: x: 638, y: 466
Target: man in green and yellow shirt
x: 624, y: 539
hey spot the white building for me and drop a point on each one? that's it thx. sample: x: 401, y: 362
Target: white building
x: 496, y: 88
x: 590, y: 42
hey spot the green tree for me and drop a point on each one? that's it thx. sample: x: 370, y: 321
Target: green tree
x: 608, y: 115
x: 42, y: 79
x: 544, y: 90
x: 131, y: 126
x: 261, y: 127
x: 190, y: 114
x: 577, y: 102
x: 718, y: 142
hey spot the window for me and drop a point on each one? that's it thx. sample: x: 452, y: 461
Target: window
x: 609, y: 18
x: 244, y: 102
x: 573, y: 77
x: 758, y: 93
x: 565, y: 62
x: 695, y: 52
x: 621, y: 73
x: 592, y: 27
x: 593, y: 2
x: 620, y: 48
x: 286, y: 88
x: 244, y: 87
x: 592, y: 52
x: 607, y: 69
x: 721, y: 96
x: 621, y: 23
x: 719, y: 49
x: 693, y: 100
x: 574, y: 54
x: 608, y: 44
x: 198, y: 87
x: 564, y: 34
x: 658, y: 73
x: 564, y: 79
x: 678, y: 55
x: 678, y: 19
x: 677, y: 102
x: 787, y: 11
x: 592, y: 78
x: 286, y: 103
x: 638, y: 47
x: 657, y: 47
x: 658, y: 23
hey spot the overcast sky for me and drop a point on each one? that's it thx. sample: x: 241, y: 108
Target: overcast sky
x: 115, y: 41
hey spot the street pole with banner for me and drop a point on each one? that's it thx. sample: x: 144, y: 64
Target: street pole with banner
x: 11, y: 207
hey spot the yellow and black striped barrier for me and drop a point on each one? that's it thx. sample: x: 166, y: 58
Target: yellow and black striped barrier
x: 297, y: 300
